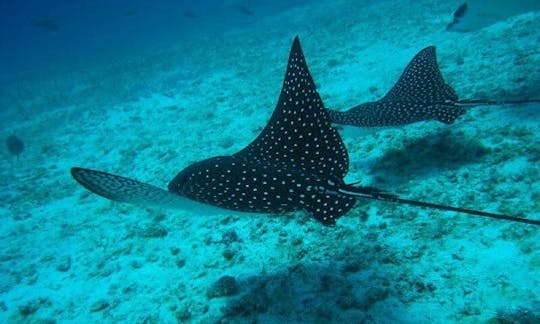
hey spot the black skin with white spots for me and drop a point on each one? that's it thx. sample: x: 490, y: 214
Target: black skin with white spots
x: 297, y: 163
x: 420, y: 94
x: 234, y: 183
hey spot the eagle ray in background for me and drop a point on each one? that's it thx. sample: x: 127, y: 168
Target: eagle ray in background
x: 297, y: 162
x: 420, y: 94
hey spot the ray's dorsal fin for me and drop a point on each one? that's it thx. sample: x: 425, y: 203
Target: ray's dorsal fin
x: 299, y: 134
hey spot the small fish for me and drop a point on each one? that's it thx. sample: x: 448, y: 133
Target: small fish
x: 297, y: 162
x: 420, y: 94
x: 245, y: 10
x: 15, y: 145
x: 476, y: 14
x: 47, y: 24
x: 458, y: 15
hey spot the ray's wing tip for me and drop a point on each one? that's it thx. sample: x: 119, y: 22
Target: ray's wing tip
x: 296, y: 45
x: 80, y: 175
x: 94, y: 181
x: 430, y: 50
x: 108, y: 185
x: 76, y: 173
x: 75, y: 169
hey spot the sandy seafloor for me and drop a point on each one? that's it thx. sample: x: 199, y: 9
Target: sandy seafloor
x: 68, y: 256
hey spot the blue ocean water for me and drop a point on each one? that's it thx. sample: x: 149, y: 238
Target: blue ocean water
x: 144, y: 89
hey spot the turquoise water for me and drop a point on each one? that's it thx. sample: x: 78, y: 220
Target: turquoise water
x: 145, y: 89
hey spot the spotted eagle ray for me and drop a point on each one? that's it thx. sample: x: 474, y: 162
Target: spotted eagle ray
x: 297, y: 162
x: 420, y: 94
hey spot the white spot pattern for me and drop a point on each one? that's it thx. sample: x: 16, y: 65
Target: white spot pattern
x: 297, y: 151
x: 420, y: 94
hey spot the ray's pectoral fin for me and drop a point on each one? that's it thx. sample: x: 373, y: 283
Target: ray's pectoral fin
x: 118, y: 188
x: 122, y: 189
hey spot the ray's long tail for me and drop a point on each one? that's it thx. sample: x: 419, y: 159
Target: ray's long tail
x: 467, y: 103
x: 377, y: 194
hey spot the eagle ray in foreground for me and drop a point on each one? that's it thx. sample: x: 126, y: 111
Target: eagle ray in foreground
x: 420, y: 94
x: 298, y: 162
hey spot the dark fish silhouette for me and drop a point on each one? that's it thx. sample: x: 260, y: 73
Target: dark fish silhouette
x: 298, y: 162
x: 15, y: 145
x: 458, y: 15
x: 245, y: 10
x: 47, y: 24
x: 420, y: 94
x: 476, y: 14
